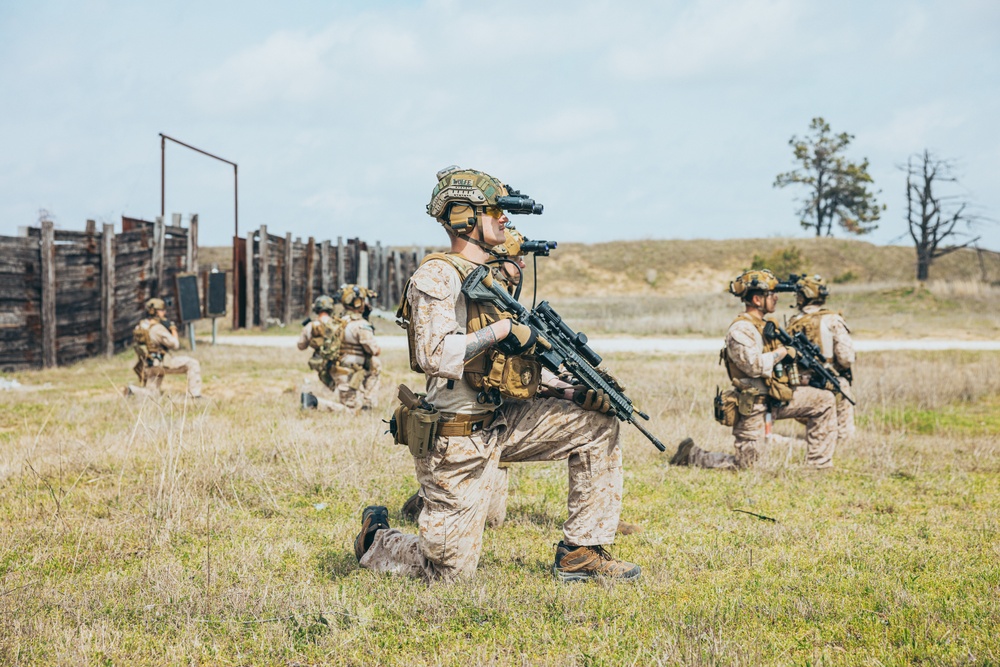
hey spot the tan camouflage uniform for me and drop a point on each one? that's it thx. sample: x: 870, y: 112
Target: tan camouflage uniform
x: 172, y: 364
x: 359, y: 348
x: 837, y: 346
x: 815, y: 407
x: 459, y: 477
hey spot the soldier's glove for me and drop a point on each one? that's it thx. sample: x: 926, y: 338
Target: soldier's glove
x: 791, y: 353
x: 591, y: 399
x: 520, y: 339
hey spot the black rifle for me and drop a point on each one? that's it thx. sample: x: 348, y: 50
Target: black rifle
x: 808, y: 357
x: 558, y: 347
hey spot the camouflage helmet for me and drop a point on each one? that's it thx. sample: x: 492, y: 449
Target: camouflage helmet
x: 353, y: 296
x: 812, y: 288
x: 154, y: 305
x: 323, y: 304
x: 511, y: 246
x: 459, y: 193
x: 754, y: 280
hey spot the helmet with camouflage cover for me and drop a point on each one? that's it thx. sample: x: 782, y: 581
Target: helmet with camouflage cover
x: 753, y: 281
x: 460, y: 194
x: 154, y: 305
x: 812, y: 289
x: 323, y: 304
x: 354, y: 296
x: 511, y: 246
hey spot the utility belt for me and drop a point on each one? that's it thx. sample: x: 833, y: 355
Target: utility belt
x: 416, y: 423
x: 740, y: 400
x: 154, y: 359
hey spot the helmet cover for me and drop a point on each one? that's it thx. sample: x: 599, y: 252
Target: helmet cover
x: 323, y: 304
x: 812, y: 288
x: 754, y: 280
x: 511, y: 246
x: 154, y: 305
x: 459, y: 192
x: 354, y: 296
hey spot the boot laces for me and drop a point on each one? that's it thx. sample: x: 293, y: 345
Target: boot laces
x: 602, y: 552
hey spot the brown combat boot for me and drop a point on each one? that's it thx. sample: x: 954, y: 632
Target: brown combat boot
x: 583, y: 563
x: 373, y: 519
x: 412, y: 507
x: 683, y: 455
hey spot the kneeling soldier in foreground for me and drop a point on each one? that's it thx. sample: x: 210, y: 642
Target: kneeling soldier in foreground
x: 475, y: 362
x: 153, y: 342
x: 759, y: 369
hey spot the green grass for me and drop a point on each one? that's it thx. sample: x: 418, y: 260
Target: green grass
x: 185, y: 533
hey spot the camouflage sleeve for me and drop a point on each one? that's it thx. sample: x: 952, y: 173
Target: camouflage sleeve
x: 366, y: 337
x: 163, y: 338
x: 843, y: 345
x: 303, y: 341
x: 439, y: 337
x: 746, y: 349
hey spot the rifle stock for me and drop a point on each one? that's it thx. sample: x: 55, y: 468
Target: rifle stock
x: 559, y: 347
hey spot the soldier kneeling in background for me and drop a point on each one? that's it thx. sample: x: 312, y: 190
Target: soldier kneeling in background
x: 345, y: 352
x: 153, y: 339
x: 759, y: 370
x: 828, y: 331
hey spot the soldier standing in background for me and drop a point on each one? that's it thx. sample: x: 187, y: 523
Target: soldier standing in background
x: 759, y: 369
x: 828, y: 331
x: 153, y: 341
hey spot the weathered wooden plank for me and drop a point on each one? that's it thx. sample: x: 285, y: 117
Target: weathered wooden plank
x: 192, y: 245
x: 324, y: 271
x: 48, y: 294
x: 249, y: 291
x: 11, y: 242
x: 158, y: 254
x: 264, y: 280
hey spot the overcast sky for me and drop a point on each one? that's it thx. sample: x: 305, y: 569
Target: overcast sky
x: 628, y: 120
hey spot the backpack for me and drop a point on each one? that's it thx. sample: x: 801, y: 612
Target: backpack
x: 327, y: 339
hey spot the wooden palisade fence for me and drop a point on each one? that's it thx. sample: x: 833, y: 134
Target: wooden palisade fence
x: 284, y: 276
x: 68, y: 295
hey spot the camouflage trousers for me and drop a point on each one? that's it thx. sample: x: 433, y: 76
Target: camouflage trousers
x: 172, y: 365
x: 845, y: 419
x: 813, y: 407
x: 343, y: 397
x: 460, y: 477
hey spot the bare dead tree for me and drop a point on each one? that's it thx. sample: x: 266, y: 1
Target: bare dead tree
x: 937, y: 222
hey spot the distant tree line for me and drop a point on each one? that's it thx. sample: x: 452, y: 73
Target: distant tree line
x: 840, y: 192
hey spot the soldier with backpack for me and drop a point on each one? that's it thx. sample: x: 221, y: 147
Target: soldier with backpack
x: 345, y: 352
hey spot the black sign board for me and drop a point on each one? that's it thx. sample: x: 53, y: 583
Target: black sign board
x: 187, y: 297
x: 215, y: 294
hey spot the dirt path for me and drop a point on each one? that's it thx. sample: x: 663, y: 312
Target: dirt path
x: 661, y: 345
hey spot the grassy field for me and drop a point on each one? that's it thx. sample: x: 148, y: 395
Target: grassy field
x: 219, y: 532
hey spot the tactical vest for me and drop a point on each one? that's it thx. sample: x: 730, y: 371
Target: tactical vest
x: 513, y: 377
x: 145, y: 347
x: 348, y: 347
x: 326, y: 340
x: 811, y: 325
x: 777, y: 387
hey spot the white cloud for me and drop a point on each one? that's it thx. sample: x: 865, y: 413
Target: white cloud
x: 709, y: 38
x: 912, y: 129
x: 569, y: 125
